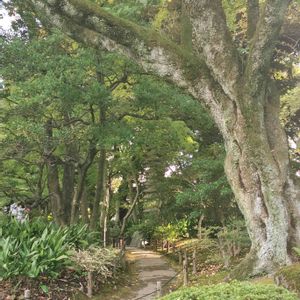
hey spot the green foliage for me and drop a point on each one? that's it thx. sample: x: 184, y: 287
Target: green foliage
x: 22, y: 252
x: 37, y: 247
x: 297, y: 250
x: 233, y: 291
x: 290, y: 104
x: 289, y: 115
x: 79, y: 236
x: 146, y: 228
x: 235, y: 231
x: 172, y: 231
x: 207, y: 192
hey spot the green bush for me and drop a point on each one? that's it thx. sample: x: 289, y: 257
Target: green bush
x: 233, y: 291
x: 102, y: 261
x: 172, y: 232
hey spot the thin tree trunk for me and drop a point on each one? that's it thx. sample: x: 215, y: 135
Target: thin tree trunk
x: 68, y: 185
x: 84, y: 207
x: 82, y: 170
x: 54, y: 188
x: 75, y: 208
x: 199, y: 227
x: 131, y: 198
x: 100, y: 189
x: 117, y: 211
x: 105, y: 211
x: 129, y: 212
x: 55, y: 194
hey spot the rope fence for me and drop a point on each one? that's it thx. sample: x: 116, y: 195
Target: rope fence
x: 183, y: 259
x: 159, y: 288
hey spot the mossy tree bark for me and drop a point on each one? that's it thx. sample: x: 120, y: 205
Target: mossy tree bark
x: 240, y: 95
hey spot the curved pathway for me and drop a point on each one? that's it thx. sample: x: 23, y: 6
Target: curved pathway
x: 149, y: 267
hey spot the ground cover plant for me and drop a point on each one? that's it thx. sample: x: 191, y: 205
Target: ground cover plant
x: 232, y: 291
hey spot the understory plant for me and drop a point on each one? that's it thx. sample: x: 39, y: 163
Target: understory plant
x: 102, y: 261
x: 37, y: 247
x: 233, y: 291
x: 172, y: 231
x: 231, y: 240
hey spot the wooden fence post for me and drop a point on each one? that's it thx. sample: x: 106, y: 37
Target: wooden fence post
x: 90, y: 284
x: 173, y: 247
x: 158, y: 289
x: 194, y: 261
x: 185, y: 269
x: 179, y: 257
x: 27, y: 295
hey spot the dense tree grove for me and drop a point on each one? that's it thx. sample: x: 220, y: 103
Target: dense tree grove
x: 126, y: 115
x: 80, y: 129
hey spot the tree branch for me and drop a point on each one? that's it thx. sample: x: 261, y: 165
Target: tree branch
x: 87, y: 22
x: 252, y: 17
x: 214, y: 40
x: 137, y: 116
x: 129, y: 212
x: 263, y: 44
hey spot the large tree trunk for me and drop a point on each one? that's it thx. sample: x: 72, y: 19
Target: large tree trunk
x: 257, y: 167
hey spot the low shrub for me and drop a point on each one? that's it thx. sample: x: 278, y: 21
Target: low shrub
x: 102, y: 261
x: 232, y: 291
